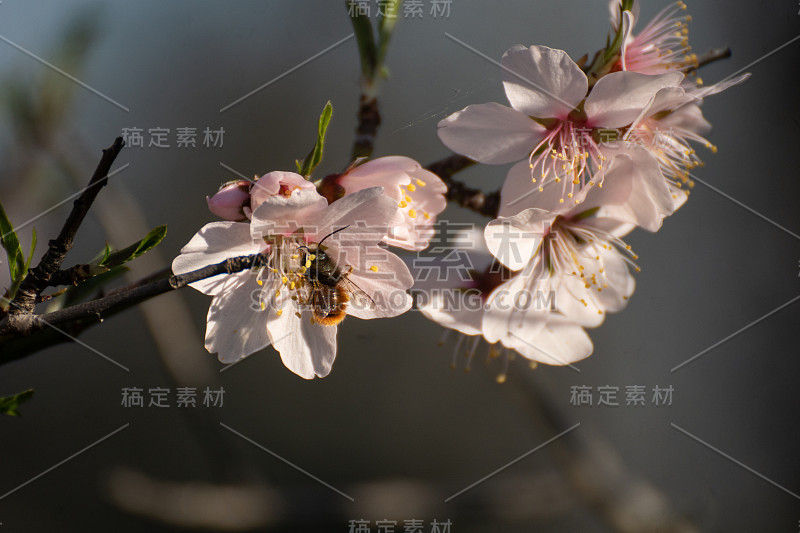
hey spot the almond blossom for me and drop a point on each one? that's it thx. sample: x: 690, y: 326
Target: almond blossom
x: 236, y: 200
x: 574, y: 252
x: 271, y: 305
x: 662, y: 45
x: 668, y: 125
x: 418, y: 193
x: 475, y: 305
x: 551, y: 122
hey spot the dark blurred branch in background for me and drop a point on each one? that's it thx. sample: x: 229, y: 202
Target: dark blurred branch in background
x: 625, y: 501
x: 38, y: 278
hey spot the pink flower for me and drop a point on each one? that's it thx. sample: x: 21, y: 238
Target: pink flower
x: 572, y: 252
x: 275, y: 183
x: 663, y: 45
x: 280, y: 303
x: 419, y: 195
x: 668, y: 125
x: 476, y: 301
x: 231, y: 201
x: 552, y: 123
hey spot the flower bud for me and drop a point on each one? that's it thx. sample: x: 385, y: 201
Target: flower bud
x: 230, y: 201
x: 276, y: 183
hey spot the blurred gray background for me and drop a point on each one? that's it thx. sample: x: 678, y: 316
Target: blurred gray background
x: 393, y: 426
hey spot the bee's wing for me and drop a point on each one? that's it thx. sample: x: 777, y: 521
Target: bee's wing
x: 358, y: 298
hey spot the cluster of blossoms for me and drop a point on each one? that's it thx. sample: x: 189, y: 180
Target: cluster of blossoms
x: 551, y: 264
x: 573, y: 195
x: 321, y: 257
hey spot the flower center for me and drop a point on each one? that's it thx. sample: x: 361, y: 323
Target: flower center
x: 570, y: 155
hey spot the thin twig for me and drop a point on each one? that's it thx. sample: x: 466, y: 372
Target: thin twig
x: 26, y: 324
x: 715, y: 54
x: 38, y: 278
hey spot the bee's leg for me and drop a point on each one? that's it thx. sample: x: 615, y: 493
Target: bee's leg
x: 349, y: 269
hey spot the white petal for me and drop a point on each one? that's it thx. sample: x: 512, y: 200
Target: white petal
x: 505, y: 317
x: 559, y: 343
x: 215, y: 243
x: 306, y: 349
x: 514, y: 240
x: 490, y: 133
x: 618, y: 98
x: 542, y: 82
x: 454, y: 308
x: 627, y: 27
x: 236, y: 325
x: 385, y: 285
x: 720, y: 86
x: 536, y: 333
x: 689, y: 117
x: 649, y: 200
x: 574, y: 301
x: 368, y: 214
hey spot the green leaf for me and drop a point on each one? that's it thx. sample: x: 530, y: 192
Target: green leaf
x: 315, y: 156
x: 385, y: 29
x: 367, y: 51
x: 136, y: 249
x: 9, y: 404
x: 33, y: 247
x: 10, y: 242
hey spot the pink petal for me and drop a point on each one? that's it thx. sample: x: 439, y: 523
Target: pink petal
x: 490, y: 133
x: 271, y: 184
x: 283, y: 215
x: 542, y: 82
x: 618, y: 98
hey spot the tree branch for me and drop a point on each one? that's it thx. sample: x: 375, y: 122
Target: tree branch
x: 38, y: 278
x: 25, y: 324
x: 369, y: 120
x: 715, y: 54
x: 487, y: 204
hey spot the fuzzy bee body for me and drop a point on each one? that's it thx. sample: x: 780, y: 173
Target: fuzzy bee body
x: 329, y: 288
